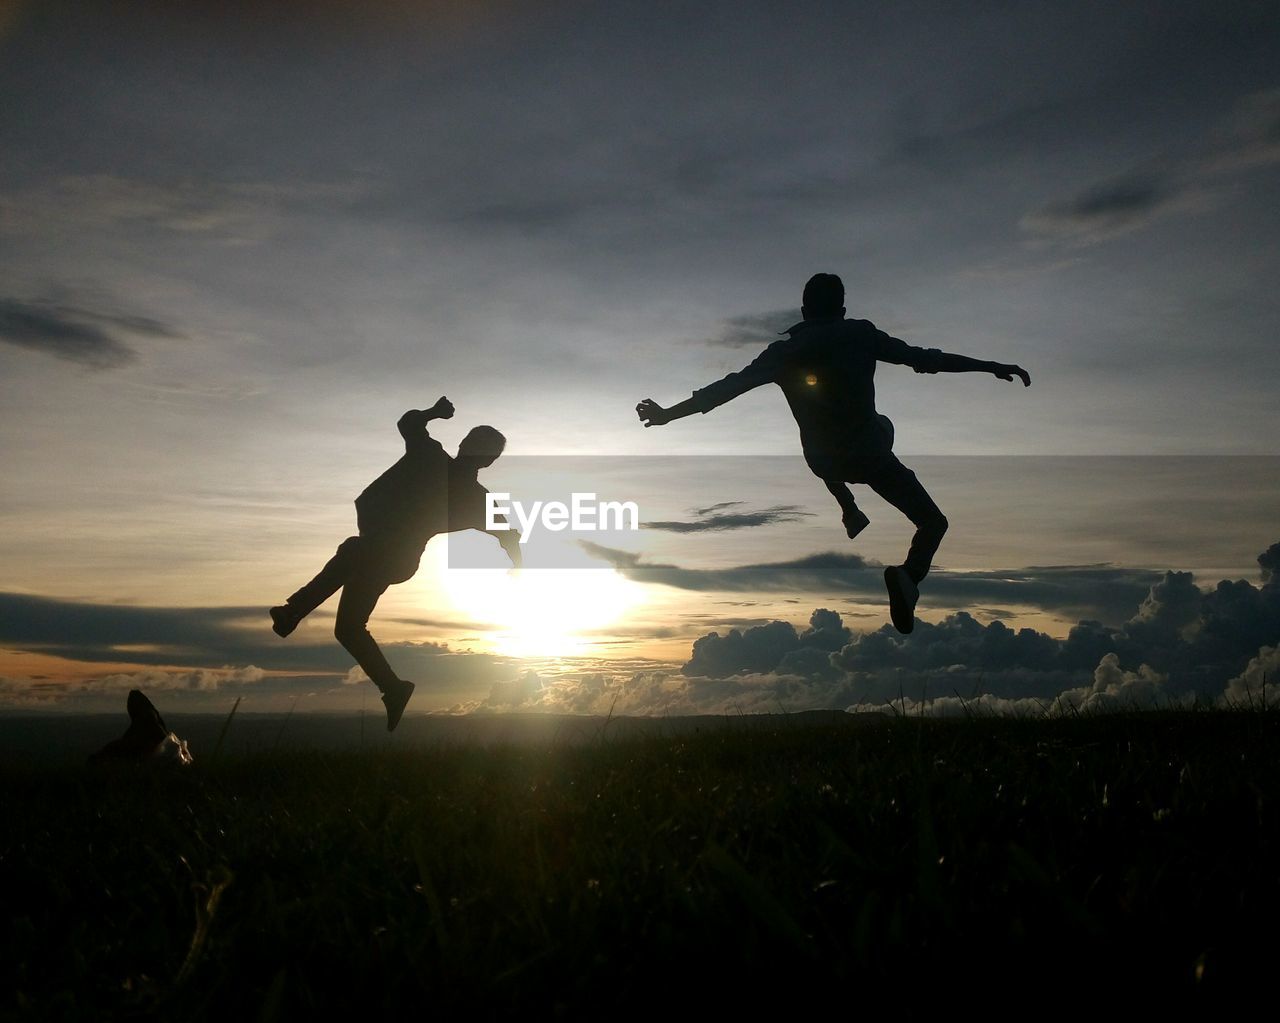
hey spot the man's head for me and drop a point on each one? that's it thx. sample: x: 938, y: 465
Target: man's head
x: 482, y: 446
x: 823, y: 297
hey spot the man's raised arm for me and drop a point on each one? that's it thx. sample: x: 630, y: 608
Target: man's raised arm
x: 413, y: 424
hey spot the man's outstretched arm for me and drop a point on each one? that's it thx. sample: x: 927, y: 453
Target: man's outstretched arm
x: 949, y: 363
x: 931, y: 360
x: 653, y: 414
x: 762, y: 370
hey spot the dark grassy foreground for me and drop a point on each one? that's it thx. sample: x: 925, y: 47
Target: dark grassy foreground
x: 985, y: 866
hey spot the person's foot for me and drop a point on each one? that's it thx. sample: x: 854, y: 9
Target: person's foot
x: 396, y: 696
x: 283, y: 620
x: 854, y: 522
x: 903, y: 594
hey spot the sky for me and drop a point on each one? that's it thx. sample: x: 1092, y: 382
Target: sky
x: 238, y: 240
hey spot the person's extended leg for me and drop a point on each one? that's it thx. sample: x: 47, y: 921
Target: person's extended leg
x: 899, y: 486
x: 285, y: 617
x: 359, y: 597
x: 850, y: 514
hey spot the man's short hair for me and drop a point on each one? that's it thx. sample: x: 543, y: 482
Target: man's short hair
x: 824, y: 295
x: 483, y: 442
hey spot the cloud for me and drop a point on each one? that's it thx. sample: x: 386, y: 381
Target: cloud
x: 753, y: 330
x: 1257, y: 685
x: 195, y: 638
x: 201, y: 680
x: 1083, y: 591
x: 41, y: 692
x: 239, y: 212
x: 718, y: 507
x: 825, y: 571
x: 772, y: 647
x: 1179, y: 645
x: 709, y: 522
x: 1184, y: 183
x: 81, y: 336
x: 1115, y: 207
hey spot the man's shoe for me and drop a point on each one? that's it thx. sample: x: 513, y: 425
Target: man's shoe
x: 396, y: 696
x: 854, y: 522
x: 284, y: 620
x: 903, y: 594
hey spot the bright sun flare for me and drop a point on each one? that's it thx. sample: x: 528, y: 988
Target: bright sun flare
x: 536, y: 612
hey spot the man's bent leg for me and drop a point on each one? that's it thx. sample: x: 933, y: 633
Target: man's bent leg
x: 898, y: 485
x: 285, y: 617
x: 850, y: 514
x: 329, y: 580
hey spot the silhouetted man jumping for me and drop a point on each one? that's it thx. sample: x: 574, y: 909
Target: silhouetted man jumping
x: 424, y: 494
x: 826, y: 368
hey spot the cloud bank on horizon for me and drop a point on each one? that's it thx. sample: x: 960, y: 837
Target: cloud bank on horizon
x: 1180, y: 646
x: 1179, y: 643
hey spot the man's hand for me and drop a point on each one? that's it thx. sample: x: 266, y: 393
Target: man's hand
x: 1007, y: 372
x: 442, y: 409
x: 652, y: 414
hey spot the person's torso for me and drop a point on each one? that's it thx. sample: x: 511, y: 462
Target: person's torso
x: 425, y: 493
x: 827, y: 373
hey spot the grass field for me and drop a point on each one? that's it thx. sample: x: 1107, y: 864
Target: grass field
x: 997, y: 867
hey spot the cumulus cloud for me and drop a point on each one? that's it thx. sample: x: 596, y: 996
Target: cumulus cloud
x: 1179, y: 645
x: 1255, y: 686
x: 710, y: 521
x: 201, y: 680
x: 19, y: 692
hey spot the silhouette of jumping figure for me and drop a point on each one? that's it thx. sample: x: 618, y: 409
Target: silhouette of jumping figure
x: 425, y: 493
x: 826, y: 369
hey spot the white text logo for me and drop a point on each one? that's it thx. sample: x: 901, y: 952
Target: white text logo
x: 582, y: 513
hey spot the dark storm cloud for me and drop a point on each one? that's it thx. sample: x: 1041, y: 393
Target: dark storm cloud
x: 76, y: 335
x: 1193, y: 641
x: 772, y: 647
x: 712, y: 523
x: 754, y: 330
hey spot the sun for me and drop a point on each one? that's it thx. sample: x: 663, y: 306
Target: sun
x: 538, y: 611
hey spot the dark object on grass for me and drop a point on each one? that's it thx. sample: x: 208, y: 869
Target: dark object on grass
x: 147, y: 739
